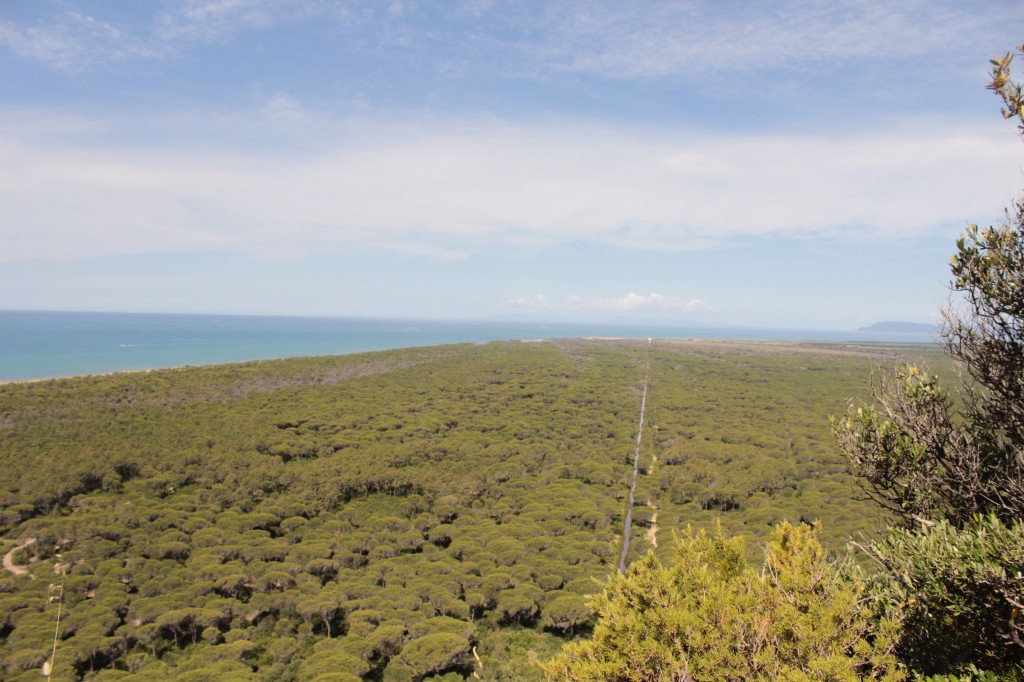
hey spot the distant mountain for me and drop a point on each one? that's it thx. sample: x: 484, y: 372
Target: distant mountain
x: 902, y: 328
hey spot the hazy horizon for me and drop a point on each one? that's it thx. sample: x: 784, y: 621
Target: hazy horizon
x: 524, y: 318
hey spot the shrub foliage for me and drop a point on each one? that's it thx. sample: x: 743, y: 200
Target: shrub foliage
x: 712, y: 616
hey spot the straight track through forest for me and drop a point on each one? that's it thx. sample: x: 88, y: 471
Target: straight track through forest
x: 628, y: 524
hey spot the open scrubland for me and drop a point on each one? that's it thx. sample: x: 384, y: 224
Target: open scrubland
x: 438, y: 512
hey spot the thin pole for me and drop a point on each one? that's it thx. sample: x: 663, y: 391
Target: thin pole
x: 56, y: 629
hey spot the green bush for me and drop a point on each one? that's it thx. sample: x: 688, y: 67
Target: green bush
x: 959, y: 594
x: 713, y: 617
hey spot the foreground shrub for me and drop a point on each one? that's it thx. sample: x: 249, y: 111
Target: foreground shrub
x: 959, y: 593
x: 713, y: 617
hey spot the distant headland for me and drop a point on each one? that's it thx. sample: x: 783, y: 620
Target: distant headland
x: 902, y: 328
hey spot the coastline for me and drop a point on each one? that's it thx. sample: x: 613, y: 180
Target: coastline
x: 36, y: 380
x: 43, y: 346
x: 752, y: 345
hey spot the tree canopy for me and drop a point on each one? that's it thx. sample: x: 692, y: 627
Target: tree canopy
x: 286, y: 520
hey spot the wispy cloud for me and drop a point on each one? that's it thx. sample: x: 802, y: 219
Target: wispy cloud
x: 74, y: 42
x: 602, y: 37
x: 212, y: 20
x: 455, y: 189
x: 629, y: 40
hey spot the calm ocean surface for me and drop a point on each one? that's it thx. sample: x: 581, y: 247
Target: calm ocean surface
x: 36, y: 345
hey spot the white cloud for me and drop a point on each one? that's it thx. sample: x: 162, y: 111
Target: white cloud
x: 539, y: 301
x: 452, y: 190
x: 652, y: 301
x: 631, y: 302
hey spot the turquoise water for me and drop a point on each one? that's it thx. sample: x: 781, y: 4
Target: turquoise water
x: 37, y: 345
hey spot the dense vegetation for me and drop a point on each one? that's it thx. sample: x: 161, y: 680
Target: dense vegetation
x: 392, y: 516
x: 736, y: 439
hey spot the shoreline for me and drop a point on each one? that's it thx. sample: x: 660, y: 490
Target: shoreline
x: 807, y: 345
x: 4, y: 382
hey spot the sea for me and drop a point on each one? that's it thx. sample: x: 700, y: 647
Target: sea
x: 40, y: 345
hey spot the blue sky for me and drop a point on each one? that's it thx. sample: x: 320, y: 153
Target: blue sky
x: 804, y: 164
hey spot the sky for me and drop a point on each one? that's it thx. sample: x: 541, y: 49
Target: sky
x: 803, y: 165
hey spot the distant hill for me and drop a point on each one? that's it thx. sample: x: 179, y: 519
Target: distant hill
x: 902, y: 328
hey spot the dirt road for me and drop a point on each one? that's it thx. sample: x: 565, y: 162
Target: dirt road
x: 628, y: 525
x: 9, y: 558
